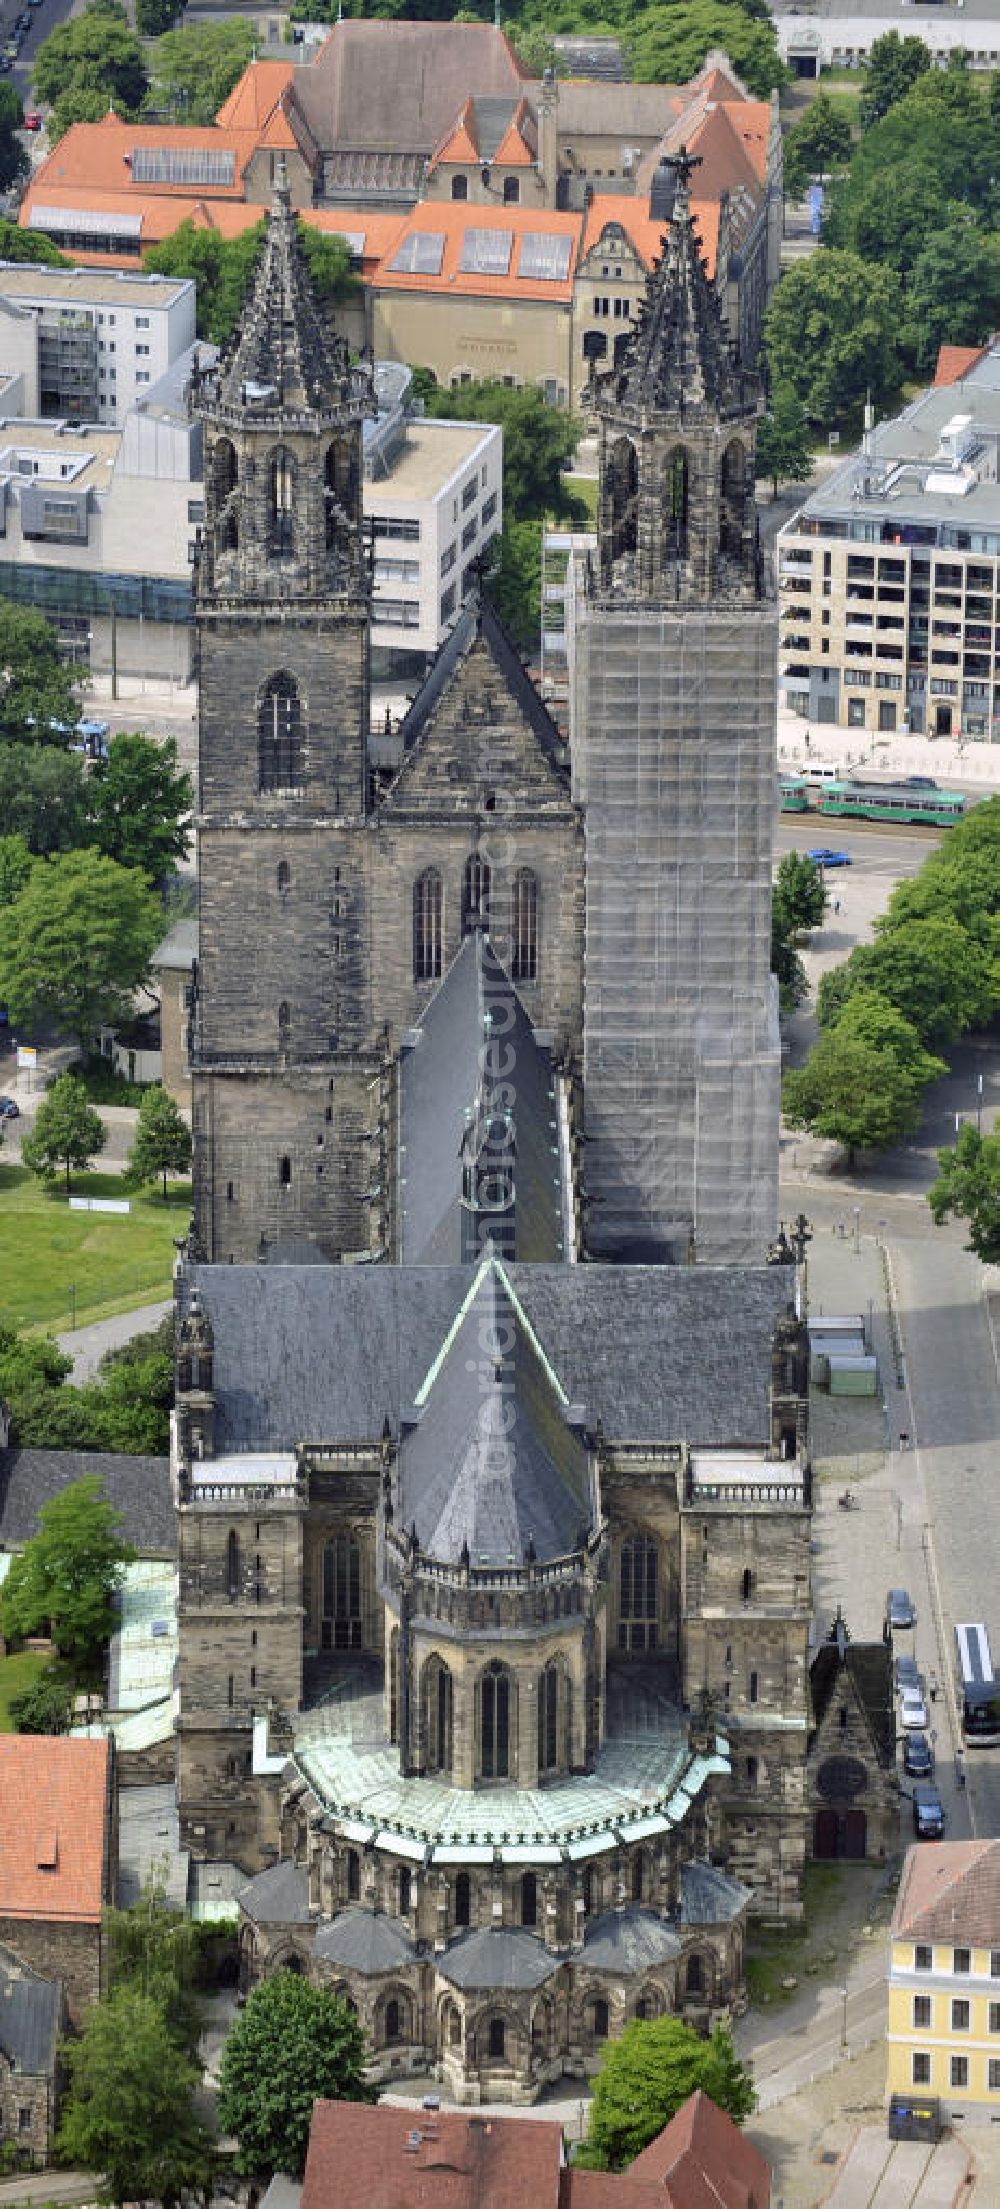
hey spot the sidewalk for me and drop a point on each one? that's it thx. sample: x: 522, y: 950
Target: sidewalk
x: 952, y: 761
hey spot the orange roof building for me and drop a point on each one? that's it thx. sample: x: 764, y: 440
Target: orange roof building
x: 56, y: 1856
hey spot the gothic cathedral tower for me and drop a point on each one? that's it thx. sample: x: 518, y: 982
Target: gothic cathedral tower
x: 674, y: 761
x: 280, y: 1055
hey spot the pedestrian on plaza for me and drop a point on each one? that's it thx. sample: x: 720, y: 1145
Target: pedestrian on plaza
x: 904, y: 1439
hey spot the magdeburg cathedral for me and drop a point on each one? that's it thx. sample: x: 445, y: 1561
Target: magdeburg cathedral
x: 491, y: 1451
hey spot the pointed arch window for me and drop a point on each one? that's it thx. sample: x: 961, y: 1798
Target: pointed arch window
x: 225, y: 480
x: 340, y: 492
x: 524, y: 926
x: 476, y: 889
x: 353, y: 1876
x: 552, y: 1696
x: 428, y: 906
x: 405, y: 1890
x: 437, y: 1715
x: 676, y: 490
x: 529, y: 1899
x: 281, y: 502
x: 623, y: 496
x: 233, y: 1566
x: 638, y: 1593
x: 732, y: 499
x: 463, y: 1899
x: 281, y: 746
x: 495, y: 1722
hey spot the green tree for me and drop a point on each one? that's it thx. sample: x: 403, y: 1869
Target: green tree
x: 539, y: 442
x: 786, y: 966
x: 43, y: 797
x: 953, y: 293
x: 75, y: 945
x: 936, y: 974
x: 16, y: 862
x: 328, y: 259
x: 292, y: 2044
x: 129, y: 1404
x: 968, y: 1185
x: 669, y: 44
x: 140, y: 804
x: 162, y: 1143
x: 515, y: 585
x: 63, y: 1580
x: 130, y: 2108
x: 831, y: 332
x: 818, y: 142
x: 46, y: 1706
x: 32, y: 1368
x: 220, y: 267
x: 193, y: 69
x: 93, y: 52
x: 875, y: 1021
x: 784, y: 451
x: 29, y: 245
x: 39, y: 694
x: 154, y: 17
x: 851, y: 1092
x: 155, y: 1951
x: 67, y: 1133
x: 800, y: 893
x: 645, y: 2078
x: 14, y: 161
x: 894, y: 64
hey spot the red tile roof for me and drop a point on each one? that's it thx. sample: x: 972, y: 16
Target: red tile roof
x: 518, y: 146
x: 97, y: 157
x: 955, y: 361
x: 53, y: 1827
x: 450, y: 221
x: 951, y: 1893
x: 460, y: 2162
x: 647, y: 233
x: 412, y: 2160
x: 253, y: 99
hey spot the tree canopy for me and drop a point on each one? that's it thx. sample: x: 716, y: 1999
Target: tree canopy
x: 16, y: 862
x: 539, y: 442
x: 800, y: 893
x: 292, y: 2044
x: 893, y: 66
x: 831, y: 332
x: 67, y: 1131
x: 818, y: 142
x: 130, y: 2108
x: 668, y: 44
x: 193, y: 69
x: 76, y: 944
x: 39, y: 691
x: 968, y: 1186
x: 784, y: 449
x: 95, y: 56
x: 856, y: 1088
x: 63, y: 1580
x: 644, y: 2079
x: 936, y: 974
x: 139, y: 804
x: 155, y: 1950
x: 162, y: 1142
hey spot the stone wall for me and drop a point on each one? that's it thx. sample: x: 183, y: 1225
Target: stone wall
x: 72, y: 1953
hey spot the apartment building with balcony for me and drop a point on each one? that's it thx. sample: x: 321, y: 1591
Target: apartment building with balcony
x: 890, y: 574
x: 943, y: 2034
x: 90, y: 341
x: 433, y: 502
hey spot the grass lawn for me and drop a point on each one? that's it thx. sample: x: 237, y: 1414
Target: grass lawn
x: 17, y: 1673
x: 115, y: 1260
x: 585, y: 488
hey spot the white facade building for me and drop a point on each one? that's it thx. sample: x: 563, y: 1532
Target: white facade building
x: 433, y: 494
x: 90, y: 342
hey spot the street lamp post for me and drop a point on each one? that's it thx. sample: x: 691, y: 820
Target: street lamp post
x: 979, y: 1104
x: 843, y: 2020
x: 857, y: 1229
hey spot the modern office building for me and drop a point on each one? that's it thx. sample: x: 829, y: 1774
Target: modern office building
x: 890, y: 574
x: 944, y: 1981
x: 89, y: 342
x: 433, y: 498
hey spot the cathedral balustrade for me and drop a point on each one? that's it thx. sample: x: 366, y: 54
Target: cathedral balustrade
x: 749, y: 1496
x: 529, y: 1594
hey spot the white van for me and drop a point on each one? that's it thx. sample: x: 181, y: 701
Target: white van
x: 818, y: 770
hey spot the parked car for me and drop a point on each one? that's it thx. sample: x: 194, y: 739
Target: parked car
x: 918, y: 1756
x: 928, y: 1814
x: 9, y: 1108
x: 907, y: 1673
x: 11, y: 50
x: 913, y: 1710
x: 899, y: 1609
x: 921, y: 782
x: 32, y: 119
x: 822, y: 857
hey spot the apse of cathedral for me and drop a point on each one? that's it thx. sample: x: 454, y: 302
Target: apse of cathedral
x: 490, y: 1446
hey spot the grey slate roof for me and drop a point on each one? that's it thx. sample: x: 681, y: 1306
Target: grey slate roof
x: 481, y: 619
x: 709, y: 1896
x: 629, y: 1940
x: 138, y: 1487
x: 497, y: 1957
x: 657, y: 1353
x: 492, y: 1464
x: 30, y: 2013
x: 365, y: 1941
x: 277, y: 1896
x: 473, y: 1034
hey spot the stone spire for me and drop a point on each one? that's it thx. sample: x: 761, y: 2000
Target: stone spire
x: 281, y: 356
x: 679, y: 359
